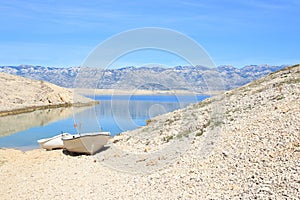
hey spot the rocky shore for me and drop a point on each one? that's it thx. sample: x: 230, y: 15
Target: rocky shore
x: 243, y: 144
x: 19, y: 95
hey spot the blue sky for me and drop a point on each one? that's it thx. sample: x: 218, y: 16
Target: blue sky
x: 233, y: 32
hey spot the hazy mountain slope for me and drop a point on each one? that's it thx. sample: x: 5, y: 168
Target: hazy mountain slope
x: 63, y: 77
x: 243, y: 144
x: 155, y: 78
x: 22, y: 93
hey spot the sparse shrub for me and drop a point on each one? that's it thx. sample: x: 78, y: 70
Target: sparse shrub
x: 293, y: 81
x: 279, y: 97
x: 183, y: 134
x: 168, y: 138
x: 217, y: 123
x: 199, y: 133
x: 207, y: 124
x: 128, y: 138
x: 169, y: 121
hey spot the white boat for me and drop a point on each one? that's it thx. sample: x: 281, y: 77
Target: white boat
x: 86, y: 143
x: 54, y: 142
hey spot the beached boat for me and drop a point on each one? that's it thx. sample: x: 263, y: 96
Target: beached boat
x: 53, y: 142
x: 86, y: 143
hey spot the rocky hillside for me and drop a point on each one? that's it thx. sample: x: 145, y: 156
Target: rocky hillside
x: 154, y: 78
x: 243, y: 144
x: 20, y: 94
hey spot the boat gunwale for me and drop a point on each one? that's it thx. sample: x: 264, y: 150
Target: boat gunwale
x: 43, y: 140
x: 78, y: 136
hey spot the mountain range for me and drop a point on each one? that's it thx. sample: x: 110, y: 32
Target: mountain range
x: 190, y: 78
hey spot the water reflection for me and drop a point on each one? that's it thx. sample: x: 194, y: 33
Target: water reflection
x: 16, y: 123
x: 114, y: 115
x: 23, y: 130
x: 118, y: 115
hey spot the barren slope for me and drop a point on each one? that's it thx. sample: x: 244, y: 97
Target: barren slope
x: 18, y: 94
x: 245, y: 143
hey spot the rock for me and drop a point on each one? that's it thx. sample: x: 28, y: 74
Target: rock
x: 225, y: 153
x: 147, y: 149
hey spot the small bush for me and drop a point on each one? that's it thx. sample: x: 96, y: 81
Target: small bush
x: 183, y: 134
x: 168, y: 138
x: 169, y: 121
x: 207, y: 124
x: 279, y: 97
x: 199, y: 133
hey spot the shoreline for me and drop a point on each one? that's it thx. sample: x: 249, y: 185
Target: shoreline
x: 44, y: 107
x: 27, y: 109
x: 86, y: 91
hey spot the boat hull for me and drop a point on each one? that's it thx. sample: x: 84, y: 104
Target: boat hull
x: 87, y: 143
x: 53, y: 142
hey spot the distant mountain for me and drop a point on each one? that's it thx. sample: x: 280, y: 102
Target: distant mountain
x: 60, y: 76
x: 196, y: 78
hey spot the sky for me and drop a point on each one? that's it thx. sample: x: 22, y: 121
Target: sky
x: 63, y: 33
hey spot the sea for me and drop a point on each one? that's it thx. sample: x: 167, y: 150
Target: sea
x: 114, y: 113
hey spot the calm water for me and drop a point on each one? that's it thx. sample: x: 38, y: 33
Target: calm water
x: 114, y: 113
